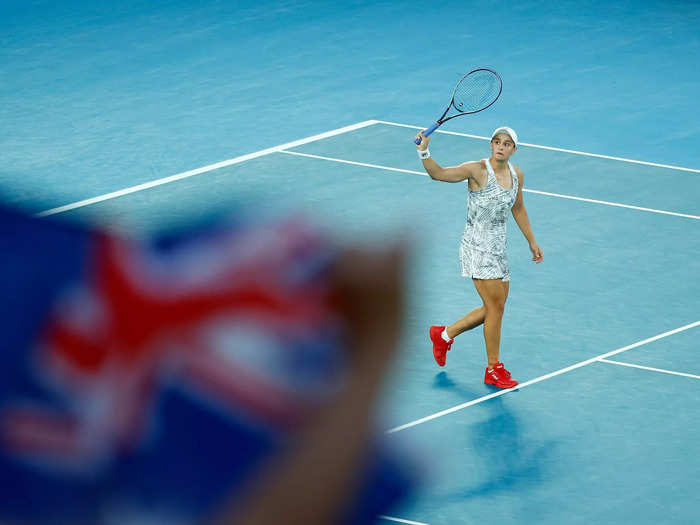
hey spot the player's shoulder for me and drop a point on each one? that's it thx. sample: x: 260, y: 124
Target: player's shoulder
x: 474, y: 168
x: 517, y: 170
x: 475, y: 164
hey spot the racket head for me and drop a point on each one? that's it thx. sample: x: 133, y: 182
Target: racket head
x: 476, y: 91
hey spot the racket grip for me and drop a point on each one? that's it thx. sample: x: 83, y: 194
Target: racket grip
x: 427, y: 132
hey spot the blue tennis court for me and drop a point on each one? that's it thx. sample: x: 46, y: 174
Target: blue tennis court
x: 149, y: 117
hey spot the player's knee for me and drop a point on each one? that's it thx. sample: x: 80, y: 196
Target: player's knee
x: 495, y: 307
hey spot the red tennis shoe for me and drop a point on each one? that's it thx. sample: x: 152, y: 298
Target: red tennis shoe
x: 499, y: 377
x: 440, y: 346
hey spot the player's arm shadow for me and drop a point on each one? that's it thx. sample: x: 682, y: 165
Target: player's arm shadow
x: 506, y: 459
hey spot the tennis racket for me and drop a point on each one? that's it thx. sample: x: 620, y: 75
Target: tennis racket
x: 476, y: 91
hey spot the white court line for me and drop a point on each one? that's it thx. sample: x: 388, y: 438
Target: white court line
x: 204, y: 169
x: 354, y: 163
x: 353, y: 127
x: 617, y: 204
x: 399, y: 520
x: 541, y: 378
x: 562, y: 196
x: 538, y: 146
x: 648, y: 368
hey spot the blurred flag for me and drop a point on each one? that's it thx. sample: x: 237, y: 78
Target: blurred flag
x: 142, y: 382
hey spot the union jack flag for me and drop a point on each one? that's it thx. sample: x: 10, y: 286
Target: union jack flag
x: 149, y: 379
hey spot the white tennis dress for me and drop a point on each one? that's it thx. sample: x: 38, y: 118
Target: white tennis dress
x: 482, y: 251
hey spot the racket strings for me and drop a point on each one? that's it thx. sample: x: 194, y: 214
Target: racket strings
x: 477, y: 91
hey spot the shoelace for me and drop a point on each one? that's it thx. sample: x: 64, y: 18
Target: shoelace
x: 506, y: 374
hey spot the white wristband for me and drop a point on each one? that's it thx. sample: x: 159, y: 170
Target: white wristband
x: 424, y: 154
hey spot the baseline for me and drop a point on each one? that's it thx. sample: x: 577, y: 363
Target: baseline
x: 550, y: 148
x: 204, y: 169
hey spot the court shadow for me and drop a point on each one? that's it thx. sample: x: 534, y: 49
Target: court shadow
x: 444, y: 382
x: 505, y: 459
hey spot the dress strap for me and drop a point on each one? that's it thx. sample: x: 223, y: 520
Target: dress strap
x: 514, y: 174
x: 489, y: 168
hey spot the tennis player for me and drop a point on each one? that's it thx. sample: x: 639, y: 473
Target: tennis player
x: 495, y: 187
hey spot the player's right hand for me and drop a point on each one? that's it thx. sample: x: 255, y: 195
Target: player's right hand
x: 423, y: 142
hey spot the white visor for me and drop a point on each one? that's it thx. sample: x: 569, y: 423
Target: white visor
x: 508, y: 131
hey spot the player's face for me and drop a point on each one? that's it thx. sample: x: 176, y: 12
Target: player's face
x: 502, y: 147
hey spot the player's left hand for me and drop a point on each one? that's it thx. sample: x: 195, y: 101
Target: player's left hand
x: 537, y: 253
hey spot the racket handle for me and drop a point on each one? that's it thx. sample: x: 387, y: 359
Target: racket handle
x: 427, y: 132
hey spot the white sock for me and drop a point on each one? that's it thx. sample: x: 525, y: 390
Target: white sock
x: 445, y: 337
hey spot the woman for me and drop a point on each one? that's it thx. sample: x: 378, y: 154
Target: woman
x: 495, y: 186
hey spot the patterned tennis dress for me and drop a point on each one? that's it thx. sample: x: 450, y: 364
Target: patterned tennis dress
x: 482, y: 251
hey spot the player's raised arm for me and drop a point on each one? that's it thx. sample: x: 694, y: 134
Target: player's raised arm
x: 451, y: 174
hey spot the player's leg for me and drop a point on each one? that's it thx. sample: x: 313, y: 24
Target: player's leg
x: 494, y: 294
x: 471, y: 320
x: 443, y: 337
